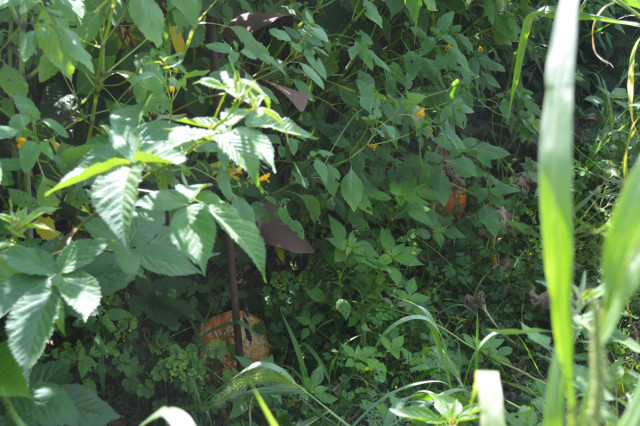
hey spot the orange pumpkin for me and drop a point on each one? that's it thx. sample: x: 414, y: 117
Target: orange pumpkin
x: 456, y: 203
x: 255, y: 347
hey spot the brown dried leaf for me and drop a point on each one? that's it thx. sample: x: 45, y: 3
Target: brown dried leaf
x: 275, y: 233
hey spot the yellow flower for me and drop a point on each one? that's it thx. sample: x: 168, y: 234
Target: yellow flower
x: 172, y: 89
x: 480, y: 49
x: 366, y: 368
x: 431, y: 129
x: 20, y: 141
x: 419, y: 114
x: 373, y: 147
x: 265, y: 177
x: 234, y: 174
x: 447, y: 47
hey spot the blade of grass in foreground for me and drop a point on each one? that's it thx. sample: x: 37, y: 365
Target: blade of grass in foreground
x: 555, y: 162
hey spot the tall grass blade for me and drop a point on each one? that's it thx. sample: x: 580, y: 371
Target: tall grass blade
x: 621, y: 253
x: 555, y: 160
x: 490, y: 397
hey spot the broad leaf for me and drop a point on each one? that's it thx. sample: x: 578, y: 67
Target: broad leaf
x: 92, y: 411
x: 194, y: 230
x: 147, y: 15
x: 30, y: 260
x: 14, y: 287
x: 30, y: 324
x: 51, y: 406
x: 269, y: 119
x: 244, y: 233
x: 80, y: 290
x: 78, y: 254
x: 170, y: 199
x: 110, y: 276
x: 81, y: 174
x: 190, y: 9
x: 57, y: 372
x: 352, y: 189
x: 164, y: 260
x: 246, y: 147
x: 115, y: 195
x: 12, y: 382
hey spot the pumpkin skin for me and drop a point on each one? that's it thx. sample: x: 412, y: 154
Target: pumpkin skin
x: 254, y: 348
x: 457, y: 203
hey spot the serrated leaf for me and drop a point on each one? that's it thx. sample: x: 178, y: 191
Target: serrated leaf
x: 114, y: 196
x: 57, y: 371
x: 30, y: 260
x: 106, y: 270
x: 313, y: 75
x: 268, y: 118
x: 92, y: 411
x: 78, y: 254
x: 352, y: 189
x: 244, y: 233
x: 51, y: 406
x: 80, y: 290
x: 147, y: 15
x: 81, y: 174
x: 30, y: 324
x: 170, y: 199
x: 195, y: 232
x: 12, y: 382
x: 13, y: 288
x: 246, y: 147
x: 164, y: 260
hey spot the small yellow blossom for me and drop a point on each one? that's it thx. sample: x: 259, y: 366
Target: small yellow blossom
x: 20, y: 141
x: 419, y: 114
x: 480, y: 49
x: 366, y: 368
x: 234, y: 174
x: 431, y: 129
x: 265, y: 177
x: 172, y: 89
x: 447, y: 47
x: 47, y: 234
x: 373, y: 147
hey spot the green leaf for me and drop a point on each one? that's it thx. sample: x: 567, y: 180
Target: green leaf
x: 555, y: 176
x: 57, y: 371
x: 92, y: 411
x: 29, y: 154
x: 78, y: 254
x: 106, y: 270
x: 80, y: 290
x: 195, y: 232
x: 419, y: 413
x: 372, y: 13
x: 244, y: 233
x: 352, y: 189
x: 316, y: 294
x: 164, y: 260
x: 344, y: 307
x: 366, y: 86
x: 163, y: 200
x: 12, y: 382
x: 81, y: 174
x: 56, y: 127
x: 72, y: 45
x: 114, y: 196
x: 50, y: 42
x: 190, y: 9
x: 30, y: 324
x: 464, y: 167
x: 30, y: 260
x: 7, y: 132
x: 147, y: 15
x: 246, y: 147
x: 268, y: 118
x: 14, y: 287
x: 313, y: 75
x: 12, y: 81
x: 621, y: 253
x: 51, y: 406
x: 490, y: 219
x: 313, y: 205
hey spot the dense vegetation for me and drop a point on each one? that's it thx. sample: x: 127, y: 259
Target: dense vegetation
x: 362, y: 176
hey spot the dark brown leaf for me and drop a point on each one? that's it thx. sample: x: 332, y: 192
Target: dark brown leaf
x: 298, y: 99
x: 277, y: 234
